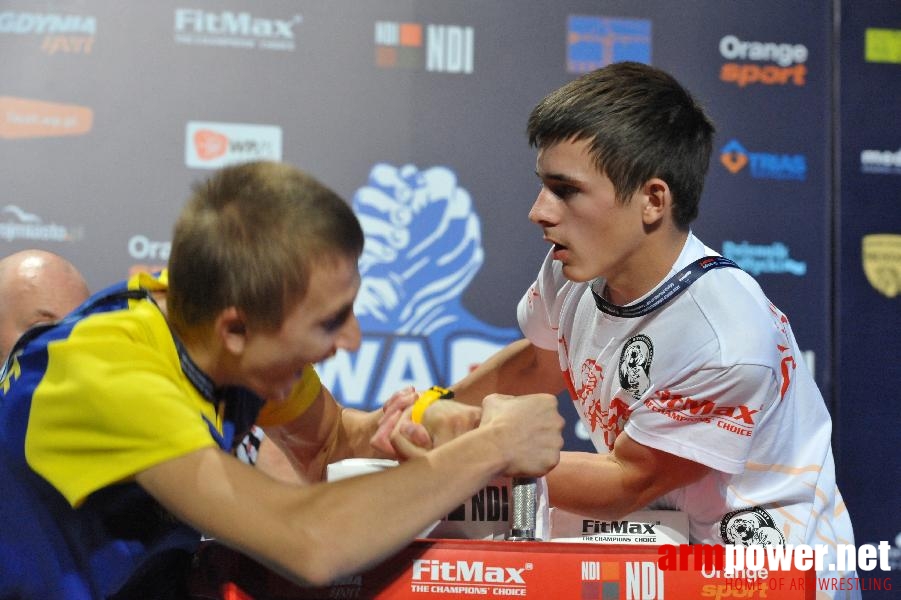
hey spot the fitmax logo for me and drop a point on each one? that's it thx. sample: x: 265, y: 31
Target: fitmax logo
x: 590, y: 526
x: 763, y: 165
x: 465, y: 571
x: 229, y: 23
x: 236, y: 30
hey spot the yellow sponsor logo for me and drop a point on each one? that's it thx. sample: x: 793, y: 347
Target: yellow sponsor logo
x: 882, y: 262
x: 882, y: 45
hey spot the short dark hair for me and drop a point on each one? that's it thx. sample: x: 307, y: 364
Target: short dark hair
x: 641, y: 123
x: 249, y: 237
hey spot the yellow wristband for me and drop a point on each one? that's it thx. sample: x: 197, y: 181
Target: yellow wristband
x: 426, y: 399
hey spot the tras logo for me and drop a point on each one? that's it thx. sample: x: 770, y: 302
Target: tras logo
x: 789, y: 62
x: 215, y: 145
x: 447, y: 48
x: 594, y: 42
x: 423, y: 248
x: 763, y: 165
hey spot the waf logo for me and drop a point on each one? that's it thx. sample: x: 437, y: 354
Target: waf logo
x: 763, y: 165
x: 594, y: 42
x: 789, y: 59
x: 442, y: 48
x: 65, y: 33
x: 24, y: 118
x: 635, y: 365
x: 214, y: 145
x: 750, y: 527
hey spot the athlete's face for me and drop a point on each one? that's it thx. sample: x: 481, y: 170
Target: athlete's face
x: 313, y: 330
x: 592, y: 234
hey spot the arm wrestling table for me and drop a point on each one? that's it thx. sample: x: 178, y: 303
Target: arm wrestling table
x: 436, y: 569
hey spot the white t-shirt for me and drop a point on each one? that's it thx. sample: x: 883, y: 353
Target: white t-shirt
x: 713, y: 375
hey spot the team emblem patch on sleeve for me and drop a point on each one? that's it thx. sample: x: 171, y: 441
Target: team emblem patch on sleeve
x: 635, y: 365
x: 750, y: 527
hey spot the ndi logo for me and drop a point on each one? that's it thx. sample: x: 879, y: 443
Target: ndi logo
x: 448, y: 48
x: 763, y: 165
x: 594, y: 42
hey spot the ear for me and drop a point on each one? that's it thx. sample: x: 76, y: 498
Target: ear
x: 232, y: 330
x: 656, y: 201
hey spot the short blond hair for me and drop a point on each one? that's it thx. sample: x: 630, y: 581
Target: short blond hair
x: 248, y: 238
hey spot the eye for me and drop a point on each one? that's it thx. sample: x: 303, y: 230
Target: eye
x: 335, y: 323
x: 562, y: 190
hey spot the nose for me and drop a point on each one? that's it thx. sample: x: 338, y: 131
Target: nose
x: 542, y: 211
x: 350, y: 336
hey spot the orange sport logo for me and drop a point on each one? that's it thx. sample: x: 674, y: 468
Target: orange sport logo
x: 788, y: 62
x: 24, y: 118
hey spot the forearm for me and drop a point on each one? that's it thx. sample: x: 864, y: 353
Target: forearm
x: 608, y: 486
x: 592, y: 485
x: 313, y: 534
x: 326, y: 433
x: 519, y: 368
x: 386, y: 512
x: 319, y: 532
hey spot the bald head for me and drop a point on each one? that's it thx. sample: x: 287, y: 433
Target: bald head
x: 35, y: 287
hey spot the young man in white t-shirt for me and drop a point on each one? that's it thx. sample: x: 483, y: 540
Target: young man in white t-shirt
x: 687, y: 377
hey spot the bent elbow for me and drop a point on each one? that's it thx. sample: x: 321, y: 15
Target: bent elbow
x: 315, y: 568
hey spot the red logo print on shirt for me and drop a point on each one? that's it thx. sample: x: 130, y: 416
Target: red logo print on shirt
x: 592, y: 375
x: 612, y: 421
x: 788, y: 365
x: 788, y: 360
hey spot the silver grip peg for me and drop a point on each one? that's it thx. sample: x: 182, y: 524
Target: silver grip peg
x: 525, y: 509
